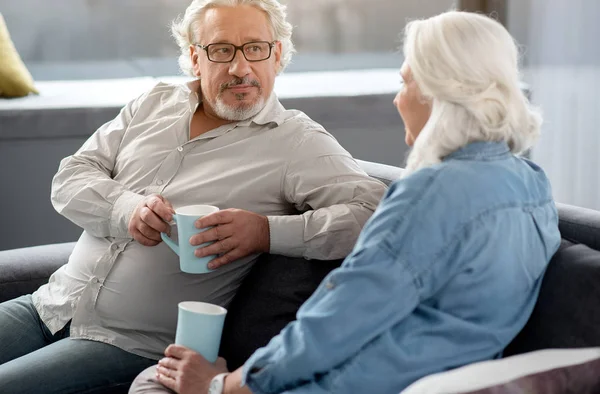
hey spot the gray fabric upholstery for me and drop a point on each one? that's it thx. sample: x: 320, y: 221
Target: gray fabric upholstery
x: 566, y: 313
x: 267, y: 301
x: 579, y: 225
x: 22, y: 271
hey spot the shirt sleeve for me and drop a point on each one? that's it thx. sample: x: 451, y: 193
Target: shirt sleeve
x: 332, y: 325
x: 83, y: 190
x: 336, y: 196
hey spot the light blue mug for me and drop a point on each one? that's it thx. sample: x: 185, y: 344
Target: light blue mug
x: 199, y: 327
x: 185, y: 217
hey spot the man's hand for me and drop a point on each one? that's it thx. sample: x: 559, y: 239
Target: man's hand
x: 236, y: 234
x: 185, y: 371
x: 150, y: 218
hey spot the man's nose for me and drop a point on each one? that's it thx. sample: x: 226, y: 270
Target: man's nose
x: 239, y: 66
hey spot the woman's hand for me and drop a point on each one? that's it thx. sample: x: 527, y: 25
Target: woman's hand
x: 187, y: 372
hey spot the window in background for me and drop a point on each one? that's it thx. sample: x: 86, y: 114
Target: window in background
x: 562, y: 68
x: 95, y: 39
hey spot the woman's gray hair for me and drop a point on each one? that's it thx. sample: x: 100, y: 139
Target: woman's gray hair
x: 185, y: 28
x: 467, y: 65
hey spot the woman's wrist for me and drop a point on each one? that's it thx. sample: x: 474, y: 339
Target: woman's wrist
x: 233, y: 383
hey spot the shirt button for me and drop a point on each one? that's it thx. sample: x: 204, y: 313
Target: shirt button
x: 114, y: 246
x: 180, y: 148
x: 329, y: 285
x: 159, y: 182
x: 95, y: 280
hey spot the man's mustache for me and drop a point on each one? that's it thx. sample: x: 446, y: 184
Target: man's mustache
x: 239, y: 81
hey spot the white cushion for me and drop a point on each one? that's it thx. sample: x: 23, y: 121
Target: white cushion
x: 490, y: 373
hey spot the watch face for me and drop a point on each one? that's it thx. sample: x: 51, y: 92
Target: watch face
x: 216, y: 385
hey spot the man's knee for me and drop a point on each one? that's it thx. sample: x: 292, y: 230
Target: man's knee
x: 146, y: 383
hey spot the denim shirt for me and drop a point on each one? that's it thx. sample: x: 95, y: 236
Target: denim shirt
x: 445, y: 273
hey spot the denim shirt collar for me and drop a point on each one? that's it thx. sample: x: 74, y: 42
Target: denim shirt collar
x: 481, y: 150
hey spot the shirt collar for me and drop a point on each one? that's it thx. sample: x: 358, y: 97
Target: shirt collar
x: 480, y: 150
x: 272, y: 112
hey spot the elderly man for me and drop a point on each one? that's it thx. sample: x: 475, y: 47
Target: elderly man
x: 284, y: 185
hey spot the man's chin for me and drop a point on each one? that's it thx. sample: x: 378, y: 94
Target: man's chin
x: 233, y: 99
x: 239, y: 110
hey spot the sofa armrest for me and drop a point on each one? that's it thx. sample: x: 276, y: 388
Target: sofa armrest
x: 579, y: 225
x: 23, y: 270
x: 383, y: 172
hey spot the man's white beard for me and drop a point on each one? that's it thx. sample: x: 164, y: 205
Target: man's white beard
x: 227, y: 112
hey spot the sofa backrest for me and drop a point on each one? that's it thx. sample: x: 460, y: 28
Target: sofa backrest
x: 566, y: 313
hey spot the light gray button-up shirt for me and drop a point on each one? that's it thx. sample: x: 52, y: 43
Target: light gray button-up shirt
x: 280, y: 164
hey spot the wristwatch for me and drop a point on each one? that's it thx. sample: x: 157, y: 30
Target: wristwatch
x: 217, y: 384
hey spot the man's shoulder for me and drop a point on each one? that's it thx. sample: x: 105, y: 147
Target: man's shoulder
x: 168, y: 89
x: 161, y: 92
x: 302, y: 125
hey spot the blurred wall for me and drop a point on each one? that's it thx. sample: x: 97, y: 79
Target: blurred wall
x: 74, y: 30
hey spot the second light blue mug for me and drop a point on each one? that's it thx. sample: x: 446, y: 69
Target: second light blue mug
x: 185, y: 217
x: 199, y: 327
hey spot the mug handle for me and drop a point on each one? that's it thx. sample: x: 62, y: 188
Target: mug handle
x: 170, y: 243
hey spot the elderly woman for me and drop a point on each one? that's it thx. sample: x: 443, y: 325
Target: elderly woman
x: 448, y: 269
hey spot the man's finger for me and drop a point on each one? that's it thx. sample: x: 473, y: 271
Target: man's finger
x: 214, y: 219
x: 219, y: 247
x: 148, y: 232
x: 149, y: 217
x: 213, y: 234
x: 226, y: 259
x: 141, y: 238
x: 160, y: 207
x: 169, y: 205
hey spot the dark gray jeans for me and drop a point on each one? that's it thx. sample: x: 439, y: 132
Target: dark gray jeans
x: 32, y: 360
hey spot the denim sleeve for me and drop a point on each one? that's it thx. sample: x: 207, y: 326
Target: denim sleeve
x: 354, y: 304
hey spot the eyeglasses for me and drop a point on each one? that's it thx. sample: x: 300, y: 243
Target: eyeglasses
x: 255, y: 51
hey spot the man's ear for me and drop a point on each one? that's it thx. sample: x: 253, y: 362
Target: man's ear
x: 194, y: 59
x: 278, y: 52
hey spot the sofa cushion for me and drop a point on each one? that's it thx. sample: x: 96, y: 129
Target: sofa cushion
x: 268, y: 299
x: 583, y: 378
x: 23, y: 271
x: 15, y: 80
x: 546, y: 371
x: 566, y: 313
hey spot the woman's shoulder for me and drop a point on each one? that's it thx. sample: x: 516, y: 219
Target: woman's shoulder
x: 467, y: 188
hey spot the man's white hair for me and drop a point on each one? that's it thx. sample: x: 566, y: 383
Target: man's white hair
x: 185, y: 28
x: 468, y: 66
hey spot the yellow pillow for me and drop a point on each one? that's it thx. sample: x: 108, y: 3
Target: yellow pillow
x: 15, y: 80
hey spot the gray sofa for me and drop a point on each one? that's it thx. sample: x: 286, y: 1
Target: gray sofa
x: 566, y: 314
x: 36, y: 132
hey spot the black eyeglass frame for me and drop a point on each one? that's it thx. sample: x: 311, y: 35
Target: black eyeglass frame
x: 237, y: 48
